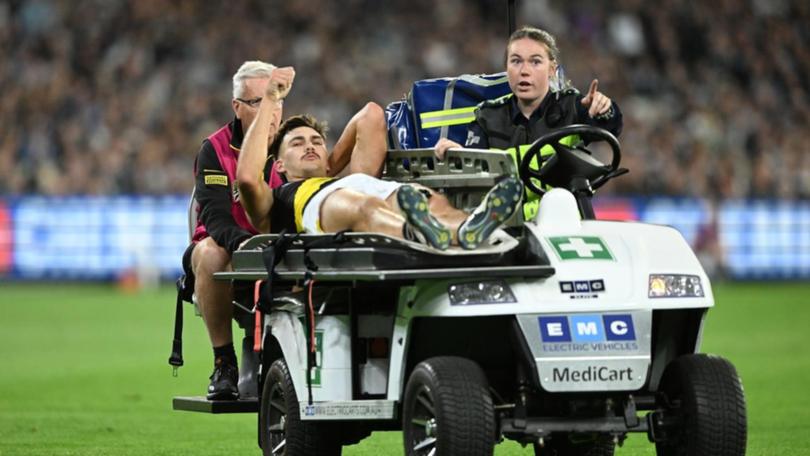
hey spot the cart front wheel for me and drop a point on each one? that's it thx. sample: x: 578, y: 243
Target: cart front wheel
x: 448, y: 410
x: 705, y: 396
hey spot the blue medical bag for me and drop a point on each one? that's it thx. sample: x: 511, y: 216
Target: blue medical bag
x: 440, y: 108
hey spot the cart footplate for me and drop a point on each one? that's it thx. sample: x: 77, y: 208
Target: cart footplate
x: 203, y: 405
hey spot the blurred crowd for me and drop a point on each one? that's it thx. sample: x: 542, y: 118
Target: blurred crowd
x: 110, y: 97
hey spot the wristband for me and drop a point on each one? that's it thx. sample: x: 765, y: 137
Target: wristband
x: 607, y: 115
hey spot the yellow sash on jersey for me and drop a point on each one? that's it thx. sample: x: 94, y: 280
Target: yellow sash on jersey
x: 302, y: 196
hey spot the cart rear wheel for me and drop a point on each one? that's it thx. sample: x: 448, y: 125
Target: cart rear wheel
x: 706, y: 396
x: 281, y: 431
x: 448, y: 410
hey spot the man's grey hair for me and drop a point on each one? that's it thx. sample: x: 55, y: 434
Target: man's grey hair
x: 250, y: 70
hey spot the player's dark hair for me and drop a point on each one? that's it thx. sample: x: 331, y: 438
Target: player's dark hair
x: 292, y: 123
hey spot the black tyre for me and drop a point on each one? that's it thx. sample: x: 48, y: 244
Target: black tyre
x: 448, y: 410
x: 705, y: 394
x: 563, y: 446
x: 281, y: 431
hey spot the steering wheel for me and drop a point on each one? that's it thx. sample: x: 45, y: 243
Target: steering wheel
x: 566, y: 163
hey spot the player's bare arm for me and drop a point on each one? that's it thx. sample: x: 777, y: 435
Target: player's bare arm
x: 257, y: 197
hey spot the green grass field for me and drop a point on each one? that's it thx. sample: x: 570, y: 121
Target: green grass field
x: 83, y: 372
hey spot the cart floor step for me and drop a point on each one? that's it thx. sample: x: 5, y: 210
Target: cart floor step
x: 203, y: 405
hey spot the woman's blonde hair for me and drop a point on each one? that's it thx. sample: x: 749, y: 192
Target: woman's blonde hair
x: 536, y: 34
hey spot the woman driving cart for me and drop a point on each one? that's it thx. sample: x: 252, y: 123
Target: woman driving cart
x: 541, y: 101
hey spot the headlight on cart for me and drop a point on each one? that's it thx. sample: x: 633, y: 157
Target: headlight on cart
x: 484, y: 292
x: 674, y: 286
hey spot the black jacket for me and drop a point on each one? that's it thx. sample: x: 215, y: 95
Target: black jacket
x: 499, y: 123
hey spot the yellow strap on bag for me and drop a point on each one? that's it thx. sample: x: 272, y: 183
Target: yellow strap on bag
x: 458, y: 116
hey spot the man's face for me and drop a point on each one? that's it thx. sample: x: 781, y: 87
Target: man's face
x: 246, y: 108
x: 529, y: 67
x: 303, y: 154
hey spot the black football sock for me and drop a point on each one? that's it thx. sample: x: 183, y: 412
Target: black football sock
x: 226, y: 354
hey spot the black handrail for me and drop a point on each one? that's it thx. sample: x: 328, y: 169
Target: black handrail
x: 510, y: 16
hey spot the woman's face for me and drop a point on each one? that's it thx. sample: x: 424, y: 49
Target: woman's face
x: 529, y: 68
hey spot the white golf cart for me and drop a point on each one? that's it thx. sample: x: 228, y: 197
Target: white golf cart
x: 563, y: 332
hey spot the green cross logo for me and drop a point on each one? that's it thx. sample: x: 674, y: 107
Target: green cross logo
x: 580, y: 248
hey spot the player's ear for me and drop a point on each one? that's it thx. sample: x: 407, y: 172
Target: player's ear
x: 279, y: 164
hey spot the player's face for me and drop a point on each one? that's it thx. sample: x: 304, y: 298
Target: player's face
x: 529, y: 69
x: 303, y: 154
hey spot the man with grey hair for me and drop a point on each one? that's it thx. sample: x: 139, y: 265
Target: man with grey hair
x: 222, y: 225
